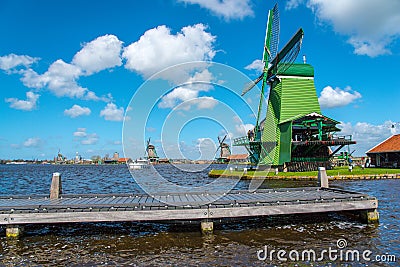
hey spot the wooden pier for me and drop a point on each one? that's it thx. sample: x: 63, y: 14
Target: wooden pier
x: 20, y: 210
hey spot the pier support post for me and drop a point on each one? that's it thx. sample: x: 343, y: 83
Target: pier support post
x: 14, y: 231
x: 370, y: 216
x: 207, y: 227
x: 322, y: 177
x: 55, y: 188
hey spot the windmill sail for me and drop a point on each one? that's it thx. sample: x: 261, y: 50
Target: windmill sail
x: 270, y: 45
x: 271, y: 35
x: 287, y: 55
x: 251, y: 84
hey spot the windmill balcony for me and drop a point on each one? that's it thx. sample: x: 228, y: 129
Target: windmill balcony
x: 332, y: 141
x: 244, y: 140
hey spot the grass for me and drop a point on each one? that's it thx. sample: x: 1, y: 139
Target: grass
x: 337, y: 171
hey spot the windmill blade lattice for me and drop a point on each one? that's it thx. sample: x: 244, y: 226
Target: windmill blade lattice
x: 285, y: 58
x: 270, y: 45
x: 272, y: 32
x: 251, y: 84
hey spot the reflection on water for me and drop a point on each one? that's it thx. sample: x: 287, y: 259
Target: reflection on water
x: 234, y: 243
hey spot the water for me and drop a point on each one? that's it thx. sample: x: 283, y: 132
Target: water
x: 234, y: 243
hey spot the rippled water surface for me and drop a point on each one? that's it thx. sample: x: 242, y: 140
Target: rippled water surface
x: 234, y: 242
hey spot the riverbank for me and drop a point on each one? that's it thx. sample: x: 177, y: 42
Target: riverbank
x: 338, y: 173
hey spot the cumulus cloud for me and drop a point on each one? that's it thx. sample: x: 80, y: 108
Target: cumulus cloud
x: 242, y: 129
x: 102, y: 53
x: 368, y: 135
x: 206, y: 148
x: 293, y: 4
x: 179, y: 94
x: 332, y: 98
x: 12, y: 61
x: 198, y: 82
x: 112, y: 113
x: 28, y: 104
x: 91, y: 139
x: 60, y: 79
x: 80, y: 132
x: 257, y: 65
x: 371, y: 25
x: 158, y: 49
x: 76, y: 111
x: 204, y: 102
x: 85, y: 138
x: 32, y: 142
x: 228, y: 9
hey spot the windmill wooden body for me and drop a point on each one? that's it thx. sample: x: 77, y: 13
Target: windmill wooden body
x: 224, y: 150
x: 294, y: 135
x: 151, y: 153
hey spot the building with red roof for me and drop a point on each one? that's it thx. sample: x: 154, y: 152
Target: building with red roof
x: 386, y: 153
x: 238, y: 158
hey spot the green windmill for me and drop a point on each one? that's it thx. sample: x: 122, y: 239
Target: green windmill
x: 294, y: 135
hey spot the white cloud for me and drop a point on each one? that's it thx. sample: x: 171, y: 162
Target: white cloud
x: 102, y: 53
x: 291, y: 4
x: 179, y: 94
x: 228, y: 9
x: 60, y: 79
x: 371, y: 25
x: 242, y: 129
x: 200, y: 81
x: 229, y: 135
x: 91, y: 139
x: 204, y: 102
x: 158, y: 49
x: 112, y: 113
x: 12, y: 61
x: 206, y: 147
x: 80, y: 132
x: 85, y: 138
x: 28, y: 104
x: 32, y: 142
x: 257, y: 65
x: 76, y: 111
x: 331, y: 98
x: 368, y: 135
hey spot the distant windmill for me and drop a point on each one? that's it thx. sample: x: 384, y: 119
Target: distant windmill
x: 224, y: 150
x: 151, y: 152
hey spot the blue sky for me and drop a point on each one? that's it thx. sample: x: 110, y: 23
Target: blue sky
x: 69, y: 69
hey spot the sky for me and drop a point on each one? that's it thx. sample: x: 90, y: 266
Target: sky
x: 103, y: 77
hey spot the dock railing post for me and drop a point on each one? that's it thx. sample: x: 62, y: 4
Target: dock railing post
x: 207, y: 227
x: 322, y: 177
x: 369, y: 216
x: 55, y: 188
x: 14, y: 231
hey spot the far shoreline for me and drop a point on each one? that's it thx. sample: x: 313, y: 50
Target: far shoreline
x: 338, y: 173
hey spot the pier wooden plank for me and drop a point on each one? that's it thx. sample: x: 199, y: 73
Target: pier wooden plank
x: 183, y: 206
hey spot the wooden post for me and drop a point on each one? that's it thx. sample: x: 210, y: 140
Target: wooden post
x: 207, y: 227
x: 55, y: 188
x: 13, y: 231
x: 370, y: 216
x: 322, y: 177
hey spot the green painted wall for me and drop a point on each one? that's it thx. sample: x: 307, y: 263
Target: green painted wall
x: 290, y: 97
